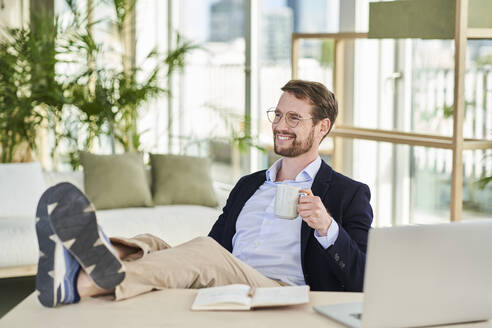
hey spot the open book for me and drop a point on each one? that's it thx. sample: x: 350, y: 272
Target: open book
x: 244, y: 297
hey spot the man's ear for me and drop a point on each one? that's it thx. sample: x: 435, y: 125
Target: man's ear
x: 325, y: 126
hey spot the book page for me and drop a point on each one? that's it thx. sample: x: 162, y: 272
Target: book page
x: 275, y: 296
x: 231, y: 297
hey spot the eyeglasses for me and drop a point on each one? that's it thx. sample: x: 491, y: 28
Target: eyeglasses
x: 291, y: 118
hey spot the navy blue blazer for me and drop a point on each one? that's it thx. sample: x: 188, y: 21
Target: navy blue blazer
x: 341, y: 266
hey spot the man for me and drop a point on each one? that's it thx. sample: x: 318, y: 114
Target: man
x: 323, y: 247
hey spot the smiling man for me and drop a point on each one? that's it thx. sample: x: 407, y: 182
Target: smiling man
x: 324, y: 246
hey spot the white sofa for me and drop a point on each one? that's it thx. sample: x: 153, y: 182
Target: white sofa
x: 173, y: 223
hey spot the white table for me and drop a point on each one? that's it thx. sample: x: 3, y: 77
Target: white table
x: 171, y: 308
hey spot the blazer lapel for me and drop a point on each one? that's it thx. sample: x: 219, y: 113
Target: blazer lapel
x: 319, y: 188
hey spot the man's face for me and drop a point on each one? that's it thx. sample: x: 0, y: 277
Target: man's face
x: 293, y: 142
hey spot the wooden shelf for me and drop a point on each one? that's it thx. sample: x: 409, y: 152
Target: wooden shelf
x: 471, y: 34
x: 479, y: 33
x: 405, y: 138
x: 475, y: 144
x: 335, y: 36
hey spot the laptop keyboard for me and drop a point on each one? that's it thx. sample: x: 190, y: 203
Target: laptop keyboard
x: 357, y: 316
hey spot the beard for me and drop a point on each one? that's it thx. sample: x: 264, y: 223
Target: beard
x: 297, y: 147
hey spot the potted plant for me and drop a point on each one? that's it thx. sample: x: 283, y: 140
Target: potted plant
x: 109, y: 99
x: 30, y: 93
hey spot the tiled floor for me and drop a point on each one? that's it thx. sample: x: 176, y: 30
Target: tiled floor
x: 14, y: 290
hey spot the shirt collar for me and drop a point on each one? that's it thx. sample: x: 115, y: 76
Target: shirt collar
x: 308, y: 173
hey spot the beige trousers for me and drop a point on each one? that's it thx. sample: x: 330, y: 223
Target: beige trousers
x: 199, y: 263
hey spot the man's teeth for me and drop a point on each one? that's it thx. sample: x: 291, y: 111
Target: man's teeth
x: 284, y: 137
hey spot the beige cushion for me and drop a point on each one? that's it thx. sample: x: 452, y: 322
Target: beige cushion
x: 115, y: 181
x: 181, y: 180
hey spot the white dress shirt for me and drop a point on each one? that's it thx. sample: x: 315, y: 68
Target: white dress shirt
x: 270, y: 244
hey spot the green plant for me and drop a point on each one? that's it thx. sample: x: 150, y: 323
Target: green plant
x: 484, y: 180
x: 237, y: 127
x: 30, y: 93
x: 132, y: 93
x: 90, y: 101
x: 447, y: 110
x: 327, y: 53
x: 110, y: 99
x: 484, y: 61
x: 16, y: 118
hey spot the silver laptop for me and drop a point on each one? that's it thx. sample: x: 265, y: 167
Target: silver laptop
x: 423, y: 275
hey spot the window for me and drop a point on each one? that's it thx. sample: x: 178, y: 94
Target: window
x: 278, y: 20
x: 402, y: 85
x: 211, y: 89
x: 407, y: 85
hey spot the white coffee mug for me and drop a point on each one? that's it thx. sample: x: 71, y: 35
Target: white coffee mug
x: 286, y: 200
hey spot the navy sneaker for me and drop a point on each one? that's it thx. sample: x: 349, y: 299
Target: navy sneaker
x: 56, y: 280
x: 73, y: 222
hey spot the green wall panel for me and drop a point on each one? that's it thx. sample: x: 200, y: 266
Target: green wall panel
x: 480, y: 14
x: 425, y: 19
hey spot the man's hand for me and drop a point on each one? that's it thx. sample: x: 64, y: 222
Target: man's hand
x: 314, y: 213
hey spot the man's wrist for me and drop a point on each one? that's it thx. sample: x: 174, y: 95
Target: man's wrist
x: 331, y: 235
x: 324, y: 232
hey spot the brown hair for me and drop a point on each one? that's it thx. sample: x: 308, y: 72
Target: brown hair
x: 323, y: 101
